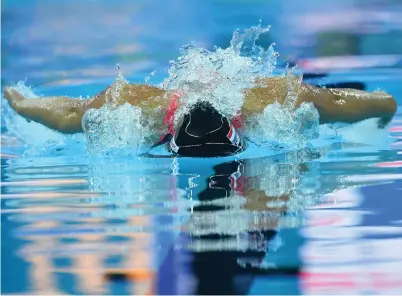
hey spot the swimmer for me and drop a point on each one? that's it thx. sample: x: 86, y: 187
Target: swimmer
x: 203, y: 131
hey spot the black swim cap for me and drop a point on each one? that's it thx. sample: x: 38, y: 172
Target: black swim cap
x: 204, y: 132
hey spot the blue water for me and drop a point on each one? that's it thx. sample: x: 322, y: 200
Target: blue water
x: 321, y: 220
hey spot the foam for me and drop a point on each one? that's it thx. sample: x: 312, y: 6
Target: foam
x: 116, y: 128
x: 284, y: 128
x: 357, y: 133
x: 220, y: 76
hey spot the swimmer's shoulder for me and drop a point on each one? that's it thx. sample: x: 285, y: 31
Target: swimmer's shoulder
x: 139, y: 92
x: 142, y: 95
x: 267, y: 91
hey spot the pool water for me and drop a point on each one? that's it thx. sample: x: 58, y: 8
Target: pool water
x: 325, y: 219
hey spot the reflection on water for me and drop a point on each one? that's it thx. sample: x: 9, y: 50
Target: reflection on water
x: 173, y: 225
x: 340, y: 253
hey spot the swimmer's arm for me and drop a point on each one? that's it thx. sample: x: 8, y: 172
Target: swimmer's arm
x: 333, y: 105
x: 349, y: 105
x: 62, y: 114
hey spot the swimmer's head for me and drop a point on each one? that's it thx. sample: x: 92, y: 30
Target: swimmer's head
x: 204, y: 132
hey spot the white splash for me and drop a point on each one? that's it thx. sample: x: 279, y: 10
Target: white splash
x: 121, y: 127
x: 220, y: 76
x: 113, y: 93
x: 281, y: 127
x: 116, y: 126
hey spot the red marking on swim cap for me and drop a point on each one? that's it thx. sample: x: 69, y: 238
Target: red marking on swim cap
x: 230, y: 134
x: 238, y: 121
x: 233, y: 136
x: 169, y: 117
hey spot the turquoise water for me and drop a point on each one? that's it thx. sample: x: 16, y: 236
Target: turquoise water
x: 325, y: 219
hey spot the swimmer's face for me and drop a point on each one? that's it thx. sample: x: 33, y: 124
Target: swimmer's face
x: 204, y: 132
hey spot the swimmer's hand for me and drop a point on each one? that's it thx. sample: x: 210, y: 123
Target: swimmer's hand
x: 390, y: 108
x: 13, y: 97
